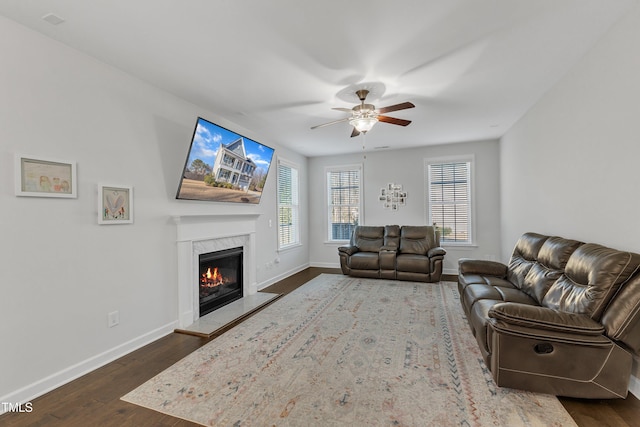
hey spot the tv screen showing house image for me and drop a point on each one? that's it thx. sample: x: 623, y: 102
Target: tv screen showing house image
x: 223, y: 166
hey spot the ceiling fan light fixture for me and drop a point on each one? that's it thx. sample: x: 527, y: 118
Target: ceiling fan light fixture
x: 363, y: 124
x: 365, y: 116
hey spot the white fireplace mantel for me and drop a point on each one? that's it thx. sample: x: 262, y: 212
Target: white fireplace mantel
x: 201, y: 227
x: 198, y: 234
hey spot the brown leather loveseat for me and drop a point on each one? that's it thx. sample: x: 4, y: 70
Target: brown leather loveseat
x: 562, y: 318
x: 410, y: 253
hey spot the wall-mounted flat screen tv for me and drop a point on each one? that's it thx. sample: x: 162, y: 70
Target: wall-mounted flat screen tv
x: 223, y: 166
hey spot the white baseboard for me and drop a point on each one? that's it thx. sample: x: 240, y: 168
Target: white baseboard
x: 282, y: 276
x: 325, y: 264
x: 45, y: 385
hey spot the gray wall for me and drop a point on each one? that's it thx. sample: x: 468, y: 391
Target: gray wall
x: 61, y: 273
x: 406, y: 167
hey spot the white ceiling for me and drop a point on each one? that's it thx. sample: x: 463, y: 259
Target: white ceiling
x: 277, y: 67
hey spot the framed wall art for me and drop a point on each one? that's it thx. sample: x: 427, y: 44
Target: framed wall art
x: 392, y: 196
x: 38, y: 177
x: 115, y: 204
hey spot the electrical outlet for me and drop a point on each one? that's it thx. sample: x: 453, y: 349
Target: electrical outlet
x: 113, y: 318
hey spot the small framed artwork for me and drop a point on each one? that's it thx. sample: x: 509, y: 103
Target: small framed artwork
x: 392, y: 196
x: 37, y: 177
x: 115, y: 204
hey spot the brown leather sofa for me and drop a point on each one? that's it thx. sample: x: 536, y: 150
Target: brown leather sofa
x: 410, y: 253
x: 562, y: 318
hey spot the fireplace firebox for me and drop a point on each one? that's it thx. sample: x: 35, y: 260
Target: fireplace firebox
x: 220, y: 279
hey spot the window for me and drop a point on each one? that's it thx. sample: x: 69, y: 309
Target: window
x: 344, y: 186
x: 449, y: 198
x: 248, y: 168
x: 227, y: 160
x: 288, y: 207
x: 224, y: 174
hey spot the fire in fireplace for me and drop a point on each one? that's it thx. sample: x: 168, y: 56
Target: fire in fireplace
x: 220, y: 279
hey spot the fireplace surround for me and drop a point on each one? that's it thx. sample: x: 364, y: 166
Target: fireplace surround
x: 199, y: 234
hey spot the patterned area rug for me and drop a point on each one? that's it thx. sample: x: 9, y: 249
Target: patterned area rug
x: 347, y: 351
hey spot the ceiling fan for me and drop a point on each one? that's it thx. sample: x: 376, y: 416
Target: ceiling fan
x: 364, y: 116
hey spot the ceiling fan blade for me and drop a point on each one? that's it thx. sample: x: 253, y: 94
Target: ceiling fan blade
x: 396, y: 107
x: 347, y: 110
x: 355, y: 132
x: 331, y: 123
x: 394, y: 121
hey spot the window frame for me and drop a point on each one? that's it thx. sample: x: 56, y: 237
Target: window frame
x: 328, y: 206
x: 294, y: 206
x: 470, y: 159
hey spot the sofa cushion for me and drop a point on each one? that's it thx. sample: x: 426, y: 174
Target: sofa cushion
x: 413, y: 263
x: 592, y: 276
x: 524, y: 256
x: 556, y: 251
x: 470, y: 279
x: 515, y: 295
x: 368, y: 238
x: 392, y: 236
x: 552, y: 259
x: 417, y: 239
x: 475, y: 293
x: 538, y: 281
x: 365, y: 261
x: 478, y: 292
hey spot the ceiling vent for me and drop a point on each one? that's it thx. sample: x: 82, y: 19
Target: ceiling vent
x: 53, y: 19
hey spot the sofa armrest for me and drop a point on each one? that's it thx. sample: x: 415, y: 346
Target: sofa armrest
x: 483, y: 267
x: 533, y: 316
x: 438, y: 251
x: 348, y: 250
x: 389, y: 248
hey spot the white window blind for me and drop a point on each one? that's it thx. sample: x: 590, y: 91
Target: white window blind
x: 288, y: 205
x: 343, y: 190
x: 449, y: 200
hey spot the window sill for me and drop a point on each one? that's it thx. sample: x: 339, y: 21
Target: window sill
x: 290, y: 247
x: 467, y: 246
x: 337, y: 242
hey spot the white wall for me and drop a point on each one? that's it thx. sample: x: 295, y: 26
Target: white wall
x: 60, y: 272
x: 570, y: 166
x: 406, y: 167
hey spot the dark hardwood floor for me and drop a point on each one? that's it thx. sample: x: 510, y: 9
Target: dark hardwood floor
x: 94, y: 399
